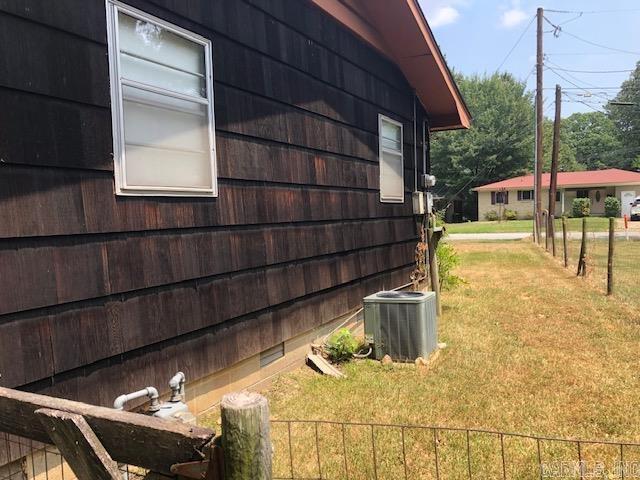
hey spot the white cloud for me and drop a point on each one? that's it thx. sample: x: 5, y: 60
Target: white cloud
x: 443, y: 16
x: 513, y: 18
x: 443, y: 12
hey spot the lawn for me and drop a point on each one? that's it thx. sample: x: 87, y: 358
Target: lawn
x: 596, y: 224
x: 531, y: 349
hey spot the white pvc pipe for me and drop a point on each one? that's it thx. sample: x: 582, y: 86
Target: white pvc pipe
x: 150, y: 392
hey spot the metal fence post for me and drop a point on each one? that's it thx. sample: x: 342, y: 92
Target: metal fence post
x: 610, y: 256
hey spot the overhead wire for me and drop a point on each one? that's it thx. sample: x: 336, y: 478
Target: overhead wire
x: 517, y: 43
x: 592, y: 71
x: 592, y: 12
x: 559, y: 30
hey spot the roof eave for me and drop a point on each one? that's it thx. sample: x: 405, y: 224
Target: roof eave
x: 356, y: 17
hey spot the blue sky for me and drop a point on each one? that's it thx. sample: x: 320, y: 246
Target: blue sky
x: 476, y: 36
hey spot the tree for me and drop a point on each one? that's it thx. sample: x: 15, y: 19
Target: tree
x: 594, y: 139
x: 627, y: 117
x: 498, y: 145
x: 567, y: 161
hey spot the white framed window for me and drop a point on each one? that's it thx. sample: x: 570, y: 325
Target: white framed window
x: 162, y: 106
x: 391, y: 160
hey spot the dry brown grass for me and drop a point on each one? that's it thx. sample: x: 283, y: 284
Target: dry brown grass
x: 531, y: 349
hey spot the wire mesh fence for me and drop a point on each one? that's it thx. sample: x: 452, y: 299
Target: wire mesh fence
x: 625, y: 259
x: 315, y: 450
x: 22, y: 459
x: 327, y: 450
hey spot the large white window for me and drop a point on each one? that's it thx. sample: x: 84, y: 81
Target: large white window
x: 391, y: 160
x: 162, y: 106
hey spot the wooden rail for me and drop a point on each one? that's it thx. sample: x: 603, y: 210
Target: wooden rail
x: 130, y: 438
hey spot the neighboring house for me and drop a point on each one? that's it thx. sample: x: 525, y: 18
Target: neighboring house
x: 517, y: 193
x: 203, y: 185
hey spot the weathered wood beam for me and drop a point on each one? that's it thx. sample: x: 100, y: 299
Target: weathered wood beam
x: 79, y: 445
x: 246, y: 440
x: 130, y: 438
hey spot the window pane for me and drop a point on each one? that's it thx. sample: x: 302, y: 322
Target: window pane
x: 391, y: 136
x: 152, y: 167
x: 155, y: 120
x: 391, y: 180
x: 166, y: 145
x: 152, y: 55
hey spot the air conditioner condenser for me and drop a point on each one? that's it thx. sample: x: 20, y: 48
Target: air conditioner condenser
x: 402, y: 325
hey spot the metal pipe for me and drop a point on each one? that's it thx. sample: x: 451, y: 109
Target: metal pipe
x: 150, y: 392
x: 176, y: 384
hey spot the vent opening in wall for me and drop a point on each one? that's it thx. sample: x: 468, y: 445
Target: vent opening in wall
x: 271, y: 355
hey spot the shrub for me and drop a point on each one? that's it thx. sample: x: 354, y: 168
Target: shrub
x: 448, y: 259
x: 612, y: 207
x: 581, y: 207
x: 491, y: 216
x: 342, y: 345
x: 510, y: 215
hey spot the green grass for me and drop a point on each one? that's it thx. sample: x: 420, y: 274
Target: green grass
x: 596, y: 224
x: 531, y: 349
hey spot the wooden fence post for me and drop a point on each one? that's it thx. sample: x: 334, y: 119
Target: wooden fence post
x: 610, y: 256
x: 582, y: 262
x: 433, y: 262
x: 246, y: 441
x: 564, y: 242
x: 545, y: 215
x: 552, y: 224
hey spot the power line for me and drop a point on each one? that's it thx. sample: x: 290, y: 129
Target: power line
x: 581, y: 88
x: 577, y: 54
x: 517, y: 43
x: 558, y: 29
x: 592, y: 12
x: 588, y: 105
x: 592, y: 71
x: 575, y: 84
x: 555, y: 67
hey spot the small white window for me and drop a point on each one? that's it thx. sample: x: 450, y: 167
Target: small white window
x: 162, y: 106
x: 391, y: 160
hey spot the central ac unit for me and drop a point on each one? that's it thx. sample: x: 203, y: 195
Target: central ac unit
x: 402, y: 325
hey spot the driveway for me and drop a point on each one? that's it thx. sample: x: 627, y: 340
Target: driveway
x: 458, y: 237
x: 487, y: 236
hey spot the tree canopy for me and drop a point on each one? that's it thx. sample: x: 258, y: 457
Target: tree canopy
x: 627, y: 119
x: 500, y: 142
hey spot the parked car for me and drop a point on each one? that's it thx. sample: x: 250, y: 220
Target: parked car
x: 635, y: 209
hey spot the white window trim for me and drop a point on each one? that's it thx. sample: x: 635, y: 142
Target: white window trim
x: 117, y: 115
x: 381, y: 149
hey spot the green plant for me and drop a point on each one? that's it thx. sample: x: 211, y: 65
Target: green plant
x: 611, y: 207
x: 342, y: 345
x: 581, y: 207
x: 510, y: 214
x: 491, y: 216
x: 448, y: 259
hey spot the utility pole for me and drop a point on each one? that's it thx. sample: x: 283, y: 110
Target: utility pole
x: 539, y: 119
x: 553, y: 183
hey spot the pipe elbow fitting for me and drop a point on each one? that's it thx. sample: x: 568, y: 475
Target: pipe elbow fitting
x: 176, y: 384
x: 150, y: 392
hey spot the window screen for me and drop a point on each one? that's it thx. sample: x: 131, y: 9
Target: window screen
x: 391, y: 160
x: 162, y: 105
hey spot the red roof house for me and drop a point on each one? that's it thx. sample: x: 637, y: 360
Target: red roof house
x: 517, y: 193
